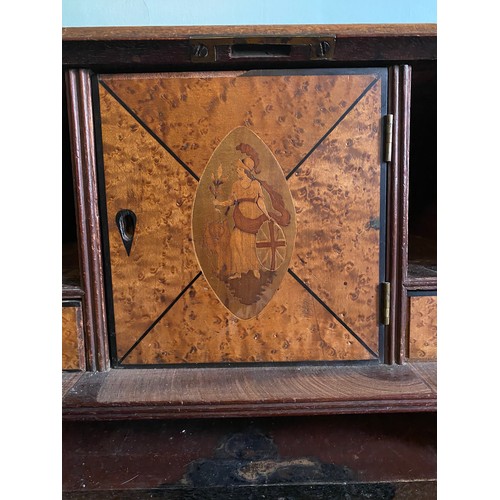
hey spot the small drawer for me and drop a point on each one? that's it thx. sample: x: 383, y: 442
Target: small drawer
x: 73, y: 354
x: 422, y: 327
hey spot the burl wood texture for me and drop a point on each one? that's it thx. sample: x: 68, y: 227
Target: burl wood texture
x: 293, y: 327
x: 193, y: 114
x: 73, y: 357
x: 143, y: 177
x: 423, y: 327
x: 324, y: 130
x: 337, y: 199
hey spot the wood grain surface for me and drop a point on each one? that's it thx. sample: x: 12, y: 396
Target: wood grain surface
x: 427, y: 371
x: 173, y: 32
x: 400, y: 490
x: 133, y: 455
x: 293, y: 327
x: 160, y: 130
x: 193, y: 113
x: 155, y: 48
x: 337, y: 198
x: 400, y: 90
x: 69, y: 379
x: 247, y: 391
x: 83, y: 147
x: 141, y: 176
x: 422, y: 329
x: 73, y: 354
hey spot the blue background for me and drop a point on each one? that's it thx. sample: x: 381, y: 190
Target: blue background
x: 225, y: 12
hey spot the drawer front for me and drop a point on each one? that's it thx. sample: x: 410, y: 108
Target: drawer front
x: 422, y: 327
x: 245, y: 215
x: 73, y: 354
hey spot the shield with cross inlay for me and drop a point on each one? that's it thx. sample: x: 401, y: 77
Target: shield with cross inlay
x: 270, y: 245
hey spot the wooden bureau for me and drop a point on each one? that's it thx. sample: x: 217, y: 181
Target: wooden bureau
x: 252, y: 223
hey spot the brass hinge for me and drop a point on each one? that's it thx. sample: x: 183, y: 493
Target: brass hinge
x: 388, y: 125
x: 385, y: 302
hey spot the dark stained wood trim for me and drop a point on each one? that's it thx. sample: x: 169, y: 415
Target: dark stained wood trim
x: 162, y: 48
x: 84, y: 175
x: 428, y: 283
x: 399, y: 106
x: 393, y: 248
x: 171, y: 457
x: 71, y: 292
x: 73, y: 95
x: 403, y: 489
x: 247, y: 392
x: 403, y: 153
x: 347, y: 456
x: 149, y: 412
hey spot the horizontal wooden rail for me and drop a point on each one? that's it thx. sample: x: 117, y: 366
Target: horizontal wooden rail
x: 158, y: 48
x: 250, y: 391
x: 180, y: 32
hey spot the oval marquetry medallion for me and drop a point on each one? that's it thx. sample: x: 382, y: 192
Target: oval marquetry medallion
x: 243, y: 223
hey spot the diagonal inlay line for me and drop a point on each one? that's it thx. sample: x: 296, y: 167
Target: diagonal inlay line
x: 360, y: 340
x: 335, y: 125
x: 149, y: 130
x: 158, y: 319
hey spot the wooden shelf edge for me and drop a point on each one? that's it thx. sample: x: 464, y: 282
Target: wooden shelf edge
x: 420, y: 278
x: 242, y: 411
x: 415, y: 284
x: 72, y: 292
x: 173, y: 32
x: 69, y: 379
x: 160, y: 48
x: 250, y: 392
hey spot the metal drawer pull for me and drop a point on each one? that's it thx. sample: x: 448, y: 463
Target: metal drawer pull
x: 304, y: 48
x: 264, y: 50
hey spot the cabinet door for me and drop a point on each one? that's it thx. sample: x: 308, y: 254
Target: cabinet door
x: 243, y: 215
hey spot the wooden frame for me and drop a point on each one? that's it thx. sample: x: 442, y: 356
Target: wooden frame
x: 241, y: 391
x: 84, y: 176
